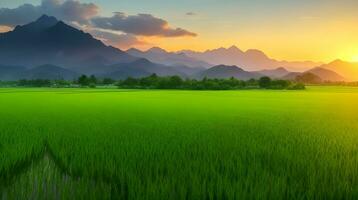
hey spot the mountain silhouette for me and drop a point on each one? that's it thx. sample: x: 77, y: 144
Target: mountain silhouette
x: 224, y: 71
x: 318, y: 73
x: 49, y: 41
x: 161, y: 56
x: 326, y: 74
x: 274, y: 73
x: 251, y: 60
x: 348, y: 70
x: 140, y: 68
x: 50, y: 72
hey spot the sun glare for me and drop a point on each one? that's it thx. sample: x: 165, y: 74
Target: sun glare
x: 355, y: 58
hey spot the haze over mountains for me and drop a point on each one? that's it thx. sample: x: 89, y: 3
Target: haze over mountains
x: 50, y: 49
x: 159, y: 55
x: 251, y: 59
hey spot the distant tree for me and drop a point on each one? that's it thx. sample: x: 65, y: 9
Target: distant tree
x: 251, y: 83
x: 150, y: 81
x: 279, y: 84
x: 92, y: 79
x: 265, y: 82
x: 108, y: 81
x: 175, y: 82
x: 83, y: 80
x: 129, y: 82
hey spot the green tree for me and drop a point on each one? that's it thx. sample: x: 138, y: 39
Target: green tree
x: 108, y: 81
x: 83, y: 80
x: 265, y: 82
x: 92, y: 79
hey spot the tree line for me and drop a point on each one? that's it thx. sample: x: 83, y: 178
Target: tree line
x: 168, y: 82
x: 176, y: 82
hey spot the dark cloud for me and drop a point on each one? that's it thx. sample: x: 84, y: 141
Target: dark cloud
x: 20, y: 15
x: 190, y: 13
x: 120, y: 30
x: 69, y: 10
x: 122, y: 41
x: 141, y: 24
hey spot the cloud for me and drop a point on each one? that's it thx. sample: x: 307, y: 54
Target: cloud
x: 141, y: 24
x: 190, y: 13
x: 119, y: 40
x: 5, y: 29
x: 69, y: 10
x: 120, y: 30
x: 20, y: 15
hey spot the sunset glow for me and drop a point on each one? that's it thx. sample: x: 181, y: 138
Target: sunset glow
x: 321, y: 30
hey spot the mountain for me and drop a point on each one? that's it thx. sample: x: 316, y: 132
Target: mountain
x: 188, y: 70
x: 140, y: 68
x: 326, y: 75
x: 315, y: 75
x: 274, y: 73
x: 10, y: 72
x: 308, y: 78
x: 49, y: 41
x: 161, y: 56
x: 252, y: 59
x: 291, y: 76
x: 224, y: 71
x: 50, y: 72
x: 346, y: 69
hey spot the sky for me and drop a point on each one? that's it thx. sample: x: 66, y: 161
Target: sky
x: 319, y: 30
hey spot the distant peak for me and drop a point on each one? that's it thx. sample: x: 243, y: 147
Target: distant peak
x: 256, y: 53
x: 142, y: 61
x: 42, y: 23
x: 133, y: 49
x: 337, y: 61
x: 281, y: 69
x: 47, y: 19
x: 233, y: 47
x: 157, y: 50
x: 232, y: 67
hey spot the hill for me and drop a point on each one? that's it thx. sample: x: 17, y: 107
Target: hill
x: 326, y: 75
x: 316, y: 74
x: 348, y: 70
x: 50, y: 72
x: 275, y: 73
x: 224, y: 71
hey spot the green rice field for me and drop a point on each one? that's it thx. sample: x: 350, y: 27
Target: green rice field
x: 168, y: 144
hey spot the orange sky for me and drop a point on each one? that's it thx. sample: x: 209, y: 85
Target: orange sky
x: 317, y: 30
x: 307, y: 39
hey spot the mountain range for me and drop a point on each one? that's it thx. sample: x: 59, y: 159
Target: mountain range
x: 251, y: 60
x: 162, y: 56
x: 51, y: 49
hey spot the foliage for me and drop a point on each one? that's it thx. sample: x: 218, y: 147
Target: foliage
x: 176, y: 82
x: 155, y: 82
x: 265, y: 82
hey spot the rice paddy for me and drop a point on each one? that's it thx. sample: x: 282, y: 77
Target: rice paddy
x: 168, y: 144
